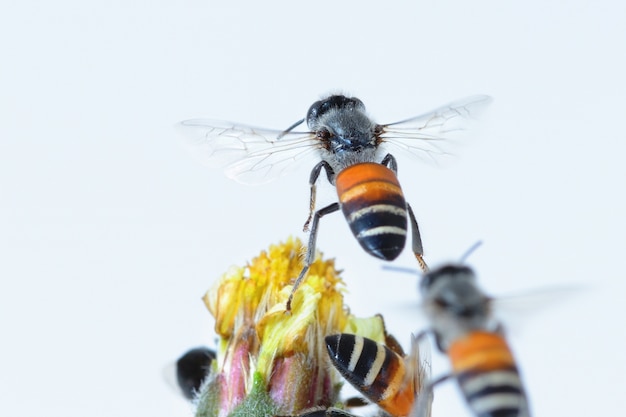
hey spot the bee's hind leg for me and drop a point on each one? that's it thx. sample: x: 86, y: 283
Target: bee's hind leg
x: 418, y: 249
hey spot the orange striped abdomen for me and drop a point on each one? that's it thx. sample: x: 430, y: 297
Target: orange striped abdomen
x: 375, y: 370
x: 374, y: 206
x: 487, y: 375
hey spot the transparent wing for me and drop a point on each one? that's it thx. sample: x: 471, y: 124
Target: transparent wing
x: 248, y: 154
x: 429, y: 134
x: 419, y: 364
x: 517, y: 311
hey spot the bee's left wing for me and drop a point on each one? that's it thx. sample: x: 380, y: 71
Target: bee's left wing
x: 248, y: 154
x: 428, y: 133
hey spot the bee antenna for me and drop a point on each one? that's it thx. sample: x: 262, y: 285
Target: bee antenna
x: 469, y: 251
x: 401, y: 269
x: 290, y: 128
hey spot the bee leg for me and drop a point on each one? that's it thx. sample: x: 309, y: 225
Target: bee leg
x: 354, y: 402
x: 418, y: 250
x: 438, y: 340
x: 312, y: 180
x: 310, y: 250
x: 439, y: 343
x: 390, y: 162
x: 421, y: 335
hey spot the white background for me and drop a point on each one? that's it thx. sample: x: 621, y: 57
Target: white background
x: 110, y: 232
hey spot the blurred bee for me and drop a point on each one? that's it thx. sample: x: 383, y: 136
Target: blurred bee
x: 350, y: 146
x: 192, y: 369
x: 464, y: 328
x: 383, y: 373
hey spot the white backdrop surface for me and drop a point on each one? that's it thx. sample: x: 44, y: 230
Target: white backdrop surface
x: 110, y: 232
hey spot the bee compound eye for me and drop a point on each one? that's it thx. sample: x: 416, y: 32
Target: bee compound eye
x: 358, y: 102
x: 314, y: 112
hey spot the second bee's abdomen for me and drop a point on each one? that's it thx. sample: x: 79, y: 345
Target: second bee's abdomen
x: 373, y: 369
x: 373, y: 203
x: 487, y: 375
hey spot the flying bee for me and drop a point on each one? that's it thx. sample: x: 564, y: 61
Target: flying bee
x: 464, y: 328
x: 352, y: 149
x: 383, y: 373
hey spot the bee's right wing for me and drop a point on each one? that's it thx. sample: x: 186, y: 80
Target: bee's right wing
x: 431, y: 133
x: 248, y: 154
x: 516, y: 312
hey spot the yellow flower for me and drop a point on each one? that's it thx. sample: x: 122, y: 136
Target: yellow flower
x: 270, y: 362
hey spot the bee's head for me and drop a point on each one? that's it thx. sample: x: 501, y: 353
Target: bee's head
x: 342, y: 125
x: 452, y: 289
x: 445, y: 273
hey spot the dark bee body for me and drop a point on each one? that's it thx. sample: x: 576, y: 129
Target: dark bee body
x: 192, y: 369
x: 482, y: 362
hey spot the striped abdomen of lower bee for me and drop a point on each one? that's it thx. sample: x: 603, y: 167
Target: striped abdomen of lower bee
x: 375, y: 370
x: 374, y: 206
x: 487, y: 375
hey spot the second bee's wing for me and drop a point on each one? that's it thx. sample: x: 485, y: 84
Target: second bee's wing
x: 426, y: 134
x: 248, y: 154
x: 518, y: 310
